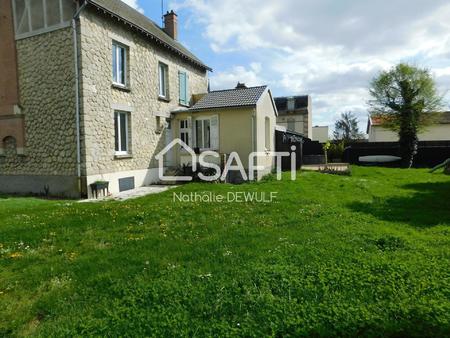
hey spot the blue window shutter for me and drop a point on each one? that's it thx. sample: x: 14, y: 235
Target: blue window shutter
x: 183, y: 88
x: 188, y: 98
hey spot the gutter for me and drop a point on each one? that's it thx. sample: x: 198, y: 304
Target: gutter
x: 149, y: 34
x: 77, y: 92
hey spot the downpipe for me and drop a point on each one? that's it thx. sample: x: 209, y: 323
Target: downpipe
x: 77, y: 93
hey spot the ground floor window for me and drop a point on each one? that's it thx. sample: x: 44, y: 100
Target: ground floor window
x: 203, y: 133
x: 121, y: 122
x: 184, y: 131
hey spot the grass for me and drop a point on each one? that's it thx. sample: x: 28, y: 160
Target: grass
x: 365, y: 255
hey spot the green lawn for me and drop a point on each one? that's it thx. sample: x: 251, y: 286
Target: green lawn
x: 362, y: 255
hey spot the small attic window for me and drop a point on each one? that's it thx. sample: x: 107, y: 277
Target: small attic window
x: 291, y: 103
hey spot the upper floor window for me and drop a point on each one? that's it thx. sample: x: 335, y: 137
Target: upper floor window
x: 119, y: 64
x: 163, y: 80
x: 183, y: 83
x: 33, y: 17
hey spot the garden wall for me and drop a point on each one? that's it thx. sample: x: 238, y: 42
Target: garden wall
x: 430, y: 153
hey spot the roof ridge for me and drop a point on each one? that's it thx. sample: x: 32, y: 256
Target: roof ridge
x: 290, y: 96
x: 146, y: 25
x: 227, y: 90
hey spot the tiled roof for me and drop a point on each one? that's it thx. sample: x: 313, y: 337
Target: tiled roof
x: 133, y: 17
x: 444, y: 118
x: 240, y: 97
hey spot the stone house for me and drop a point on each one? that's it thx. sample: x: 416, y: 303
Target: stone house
x: 86, y: 90
x: 295, y: 113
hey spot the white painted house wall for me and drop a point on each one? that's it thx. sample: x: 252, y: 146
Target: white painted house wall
x: 437, y: 132
x: 320, y: 134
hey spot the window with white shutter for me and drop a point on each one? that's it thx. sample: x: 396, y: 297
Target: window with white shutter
x: 203, y: 133
x: 214, y: 132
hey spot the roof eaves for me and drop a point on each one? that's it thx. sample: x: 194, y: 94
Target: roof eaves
x: 147, y: 33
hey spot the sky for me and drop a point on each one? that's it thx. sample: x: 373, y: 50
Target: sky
x: 329, y: 49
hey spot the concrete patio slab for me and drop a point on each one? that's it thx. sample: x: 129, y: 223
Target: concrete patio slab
x: 135, y: 193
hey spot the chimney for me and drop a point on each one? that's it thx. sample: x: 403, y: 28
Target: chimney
x: 171, y: 24
x: 241, y: 86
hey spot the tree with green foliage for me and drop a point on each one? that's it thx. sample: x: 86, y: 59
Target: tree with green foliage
x: 406, y: 100
x: 346, y: 128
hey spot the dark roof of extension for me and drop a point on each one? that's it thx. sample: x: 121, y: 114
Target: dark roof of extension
x: 131, y: 16
x: 238, y: 97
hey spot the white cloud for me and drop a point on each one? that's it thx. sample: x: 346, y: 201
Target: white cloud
x: 327, y: 48
x: 134, y: 4
x: 230, y: 78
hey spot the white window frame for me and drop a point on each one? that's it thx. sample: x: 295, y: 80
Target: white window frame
x: 163, y: 77
x: 184, y: 129
x: 121, y: 151
x: 120, y: 46
x: 202, y: 120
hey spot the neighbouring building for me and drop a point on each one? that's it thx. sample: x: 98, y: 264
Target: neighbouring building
x: 320, y: 134
x: 295, y: 113
x: 439, y: 131
x: 86, y: 90
x: 238, y: 120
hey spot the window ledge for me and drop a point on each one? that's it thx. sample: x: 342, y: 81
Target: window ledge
x: 164, y: 99
x: 184, y: 105
x: 121, y: 87
x: 122, y: 156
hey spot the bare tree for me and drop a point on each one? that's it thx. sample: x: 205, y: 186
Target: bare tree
x: 346, y: 128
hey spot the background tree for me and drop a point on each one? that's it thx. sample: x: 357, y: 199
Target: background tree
x: 406, y: 99
x: 346, y: 128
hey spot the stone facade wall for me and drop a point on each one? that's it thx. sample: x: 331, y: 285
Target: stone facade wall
x: 101, y: 99
x: 47, y: 101
x: 301, y: 122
